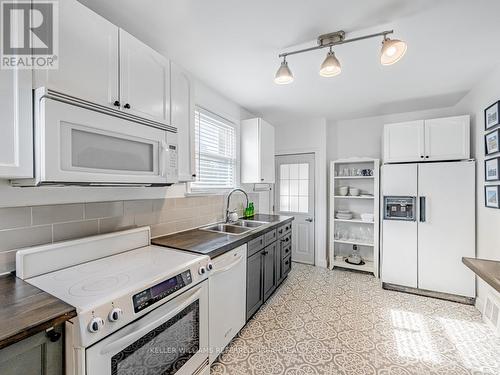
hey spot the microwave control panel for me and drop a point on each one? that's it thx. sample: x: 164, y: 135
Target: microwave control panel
x: 399, y: 208
x: 172, y: 164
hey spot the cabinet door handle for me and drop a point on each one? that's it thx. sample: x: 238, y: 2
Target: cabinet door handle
x: 265, y: 252
x: 116, y: 103
x: 126, y: 106
x: 421, y: 156
x: 53, y: 335
x: 427, y: 156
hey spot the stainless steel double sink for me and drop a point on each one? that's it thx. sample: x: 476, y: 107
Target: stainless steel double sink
x: 235, y: 228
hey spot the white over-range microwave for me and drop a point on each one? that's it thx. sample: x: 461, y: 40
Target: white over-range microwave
x: 81, y: 143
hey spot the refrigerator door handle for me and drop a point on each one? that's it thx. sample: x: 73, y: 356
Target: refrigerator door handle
x: 422, y: 209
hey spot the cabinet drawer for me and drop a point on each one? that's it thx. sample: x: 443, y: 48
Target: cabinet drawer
x: 286, y: 240
x: 255, y: 245
x: 286, y: 250
x: 284, y: 230
x: 270, y: 237
x: 287, y: 265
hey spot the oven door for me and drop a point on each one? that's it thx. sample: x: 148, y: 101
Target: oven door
x: 77, y: 145
x: 172, y: 339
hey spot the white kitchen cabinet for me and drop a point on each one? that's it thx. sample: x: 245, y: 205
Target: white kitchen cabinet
x: 257, y: 152
x: 88, y: 56
x: 182, y: 117
x: 447, y: 138
x: 430, y: 140
x: 16, y: 124
x: 144, y: 80
x: 404, y: 142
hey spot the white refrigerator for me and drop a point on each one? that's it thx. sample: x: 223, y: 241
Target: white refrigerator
x: 428, y: 226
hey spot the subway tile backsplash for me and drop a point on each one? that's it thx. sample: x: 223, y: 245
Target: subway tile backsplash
x: 30, y: 226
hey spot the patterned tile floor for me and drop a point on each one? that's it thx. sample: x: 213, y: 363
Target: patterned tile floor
x: 339, y: 322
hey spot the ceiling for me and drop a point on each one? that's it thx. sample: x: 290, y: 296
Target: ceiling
x: 233, y: 46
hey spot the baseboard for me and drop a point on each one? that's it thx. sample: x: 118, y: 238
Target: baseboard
x: 322, y: 263
x: 430, y: 293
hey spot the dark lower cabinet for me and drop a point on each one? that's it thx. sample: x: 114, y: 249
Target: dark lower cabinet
x: 270, y: 278
x: 255, y: 290
x: 40, y: 354
x: 268, y: 264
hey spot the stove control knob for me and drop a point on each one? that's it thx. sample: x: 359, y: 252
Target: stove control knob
x: 95, y: 324
x: 210, y: 267
x: 202, y: 270
x: 115, y: 314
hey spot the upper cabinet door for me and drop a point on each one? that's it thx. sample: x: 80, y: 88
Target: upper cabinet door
x: 182, y: 115
x: 144, y: 80
x: 447, y: 138
x: 257, y: 151
x: 88, y: 56
x: 266, y: 136
x: 16, y: 140
x: 404, y: 142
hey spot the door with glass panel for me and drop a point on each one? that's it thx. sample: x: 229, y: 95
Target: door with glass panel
x: 295, y: 197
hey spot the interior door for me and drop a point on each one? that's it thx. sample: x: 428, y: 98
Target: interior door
x: 88, y: 56
x: 446, y: 228
x: 404, y: 142
x: 295, y: 197
x: 447, y: 138
x: 144, y: 80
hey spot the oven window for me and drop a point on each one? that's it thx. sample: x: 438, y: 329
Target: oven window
x: 106, y: 152
x: 164, y: 350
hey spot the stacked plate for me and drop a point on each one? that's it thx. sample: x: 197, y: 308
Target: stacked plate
x: 344, y: 215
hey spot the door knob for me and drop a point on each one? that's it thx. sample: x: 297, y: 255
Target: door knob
x: 309, y: 219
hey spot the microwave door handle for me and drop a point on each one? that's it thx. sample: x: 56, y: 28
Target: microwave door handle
x: 229, y: 266
x: 423, y: 209
x: 187, y: 299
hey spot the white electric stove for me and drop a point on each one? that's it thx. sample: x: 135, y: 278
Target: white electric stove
x: 141, y: 308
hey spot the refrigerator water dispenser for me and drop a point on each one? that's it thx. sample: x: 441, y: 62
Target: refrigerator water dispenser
x: 399, y: 208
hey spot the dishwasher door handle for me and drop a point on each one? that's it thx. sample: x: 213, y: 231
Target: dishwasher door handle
x: 228, y: 267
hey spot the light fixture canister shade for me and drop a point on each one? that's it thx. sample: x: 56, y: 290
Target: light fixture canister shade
x: 392, y: 51
x: 331, y: 66
x: 283, y: 75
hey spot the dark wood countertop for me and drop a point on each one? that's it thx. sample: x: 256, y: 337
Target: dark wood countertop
x: 214, y: 244
x: 26, y: 310
x: 488, y: 270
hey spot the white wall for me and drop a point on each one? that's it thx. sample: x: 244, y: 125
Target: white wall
x: 481, y: 96
x: 309, y: 135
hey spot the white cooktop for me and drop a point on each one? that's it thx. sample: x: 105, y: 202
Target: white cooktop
x: 90, y: 284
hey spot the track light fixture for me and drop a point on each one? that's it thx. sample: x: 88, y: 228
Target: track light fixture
x: 392, y: 51
x: 284, y: 74
x: 331, y: 66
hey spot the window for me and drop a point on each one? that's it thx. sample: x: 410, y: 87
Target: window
x: 215, y: 150
x: 294, y: 187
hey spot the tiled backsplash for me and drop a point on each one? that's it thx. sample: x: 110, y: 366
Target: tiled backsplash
x: 29, y: 226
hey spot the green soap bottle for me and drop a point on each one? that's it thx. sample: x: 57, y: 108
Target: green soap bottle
x: 252, y: 209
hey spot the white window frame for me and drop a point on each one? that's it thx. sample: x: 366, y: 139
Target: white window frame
x: 192, y: 189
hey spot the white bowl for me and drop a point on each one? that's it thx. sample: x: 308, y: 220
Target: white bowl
x: 343, y: 190
x: 353, y: 191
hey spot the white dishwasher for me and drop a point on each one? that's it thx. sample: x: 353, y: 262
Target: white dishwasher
x: 227, y: 299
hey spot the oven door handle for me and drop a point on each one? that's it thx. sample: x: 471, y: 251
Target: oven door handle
x: 186, y: 299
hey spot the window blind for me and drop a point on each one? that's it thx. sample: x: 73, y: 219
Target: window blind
x: 215, y: 150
